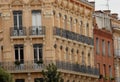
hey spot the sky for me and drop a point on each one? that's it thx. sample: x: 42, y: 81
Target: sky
x: 114, y: 5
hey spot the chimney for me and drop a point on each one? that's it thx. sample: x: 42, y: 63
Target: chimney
x: 115, y: 15
x: 107, y: 11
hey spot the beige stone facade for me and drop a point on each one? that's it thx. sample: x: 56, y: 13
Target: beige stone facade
x: 116, y: 36
x: 62, y: 33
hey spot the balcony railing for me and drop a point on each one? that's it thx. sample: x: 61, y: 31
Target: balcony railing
x: 86, y: 2
x: 32, y: 66
x: 77, y: 68
x: 73, y: 36
x: 37, y: 30
x: 27, y: 66
x: 117, y: 53
x: 14, y: 31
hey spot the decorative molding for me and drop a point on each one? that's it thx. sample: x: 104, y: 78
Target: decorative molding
x: 17, y: 3
x: 35, y: 2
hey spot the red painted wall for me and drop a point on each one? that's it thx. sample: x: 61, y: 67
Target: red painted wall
x: 102, y: 34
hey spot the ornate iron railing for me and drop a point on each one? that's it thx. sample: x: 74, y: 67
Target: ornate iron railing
x: 32, y: 66
x: 73, y: 36
x: 37, y: 30
x: 14, y: 31
x: 77, y: 68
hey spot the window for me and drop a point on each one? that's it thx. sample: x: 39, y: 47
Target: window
x: 38, y: 54
x: 98, y: 66
x: 87, y: 29
x: 67, y: 54
x: 82, y: 58
x: 17, y: 19
x: 19, y: 53
x: 65, y: 22
x: 20, y: 80
x: 104, y: 70
x: 38, y: 80
x: 81, y: 24
x: 109, y: 49
x: 36, y: 18
x: 110, y: 71
x: 71, y: 24
x: 89, y: 59
x: 103, y: 47
x: 97, y: 46
x: 59, y: 15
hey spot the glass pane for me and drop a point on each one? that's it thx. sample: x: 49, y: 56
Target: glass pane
x: 15, y: 21
x: 38, y: 19
x: 40, y: 53
x: 33, y: 19
x: 35, y: 54
x: 16, y: 54
x: 21, y: 55
x: 20, y: 21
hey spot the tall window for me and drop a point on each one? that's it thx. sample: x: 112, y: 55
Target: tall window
x: 110, y: 71
x: 103, y: 47
x: 89, y: 62
x: 19, y: 53
x: 20, y: 80
x: 81, y: 24
x: 65, y: 22
x: 36, y: 18
x: 71, y: 24
x: 109, y: 49
x: 104, y: 70
x: 83, y: 58
x: 87, y: 29
x: 17, y: 19
x: 98, y: 66
x: 67, y: 54
x: 38, y: 54
x: 97, y: 46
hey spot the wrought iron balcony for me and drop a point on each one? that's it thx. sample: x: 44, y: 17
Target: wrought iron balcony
x: 18, y: 67
x: 77, y: 68
x: 33, y: 66
x: 86, y: 2
x: 37, y: 30
x: 73, y: 36
x: 14, y: 31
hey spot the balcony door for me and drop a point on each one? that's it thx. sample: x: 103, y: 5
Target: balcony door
x: 19, y: 53
x: 36, y: 22
x: 37, y: 52
x: 17, y: 19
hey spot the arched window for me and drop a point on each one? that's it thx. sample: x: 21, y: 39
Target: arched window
x: 83, y: 62
x: 81, y: 24
x: 87, y: 29
x: 89, y: 62
x: 71, y: 24
x: 76, y: 25
x: 65, y: 22
x: 59, y: 15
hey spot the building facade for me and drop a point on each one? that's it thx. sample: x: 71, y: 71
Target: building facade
x: 34, y: 33
x: 103, y: 43
x: 115, y: 22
